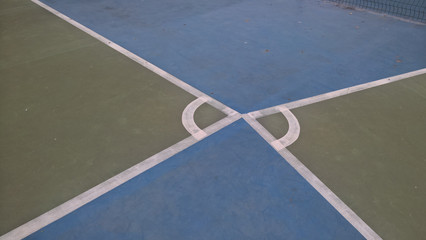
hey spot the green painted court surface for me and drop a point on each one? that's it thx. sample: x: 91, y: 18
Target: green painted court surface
x: 275, y: 123
x: 74, y: 112
x: 369, y: 147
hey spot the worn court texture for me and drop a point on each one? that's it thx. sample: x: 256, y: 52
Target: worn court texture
x: 233, y: 185
x: 374, y: 154
x: 75, y: 112
x: 256, y: 54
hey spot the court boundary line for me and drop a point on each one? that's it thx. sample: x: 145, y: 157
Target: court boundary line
x: 314, y: 181
x: 280, y: 147
x: 293, y: 131
x: 232, y: 116
x: 93, y: 193
x: 169, y: 77
x: 188, y: 120
x: 330, y: 95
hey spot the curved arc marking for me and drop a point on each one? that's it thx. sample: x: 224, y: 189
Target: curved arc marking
x: 293, y: 130
x: 106, y: 186
x: 188, y: 118
x: 331, y: 197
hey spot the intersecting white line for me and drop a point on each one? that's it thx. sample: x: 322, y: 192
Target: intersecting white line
x: 332, y: 198
x: 106, y: 186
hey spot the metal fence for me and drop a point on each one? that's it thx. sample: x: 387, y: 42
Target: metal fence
x: 408, y: 9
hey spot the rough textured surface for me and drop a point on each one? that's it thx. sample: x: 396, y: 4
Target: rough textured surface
x: 73, y: 112
x: 275, y: 123
x: 231, y: 185
x: 257, y: 54
x: 206, y: 115
x: 369, y: 148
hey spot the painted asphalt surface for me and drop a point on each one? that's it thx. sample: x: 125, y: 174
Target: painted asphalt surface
x: 74, y: 113
x: 374, y: 156
x: 232, y: 185
x: 275, y: 123
x: 369, y: 148
x: 256, y: 54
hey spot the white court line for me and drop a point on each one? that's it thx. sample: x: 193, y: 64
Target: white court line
x: 119, y: 179
x: 188, y: 88
x: 292, y: 133
x: 188, y: 118
x: 334, y: 94
x: 332, y: 198
x: 97, y: 191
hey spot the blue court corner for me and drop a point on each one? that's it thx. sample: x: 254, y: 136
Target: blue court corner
x: 231, y: 185
x: 192, y: 161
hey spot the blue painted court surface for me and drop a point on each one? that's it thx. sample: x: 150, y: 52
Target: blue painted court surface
x: 248, y: 55
x: 232, y: 185
x: 256, y: 54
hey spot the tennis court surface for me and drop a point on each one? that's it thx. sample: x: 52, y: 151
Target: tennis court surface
x: 220, y: 119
